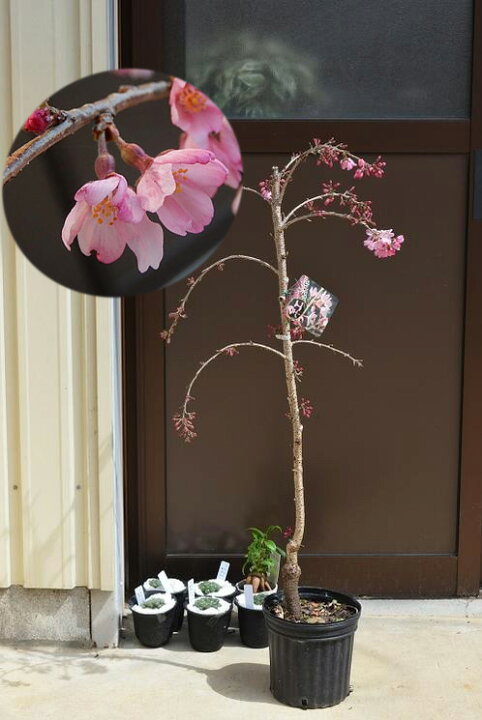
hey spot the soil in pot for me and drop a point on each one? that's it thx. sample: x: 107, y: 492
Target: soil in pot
x: 252, y: 625
x: 208, y: 621
x: 310, y: 661
x: 178, y: 591
x: 153, y: 620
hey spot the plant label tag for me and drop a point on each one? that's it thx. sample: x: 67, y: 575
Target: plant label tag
x: 223, y: 570
x: 309, y: 306
x: 248, y: 596
x: 140, y: 595
x: 166, y: 583
x: 190, y: 591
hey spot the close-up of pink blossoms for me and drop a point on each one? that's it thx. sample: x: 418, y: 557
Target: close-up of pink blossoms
x: 176, y: 185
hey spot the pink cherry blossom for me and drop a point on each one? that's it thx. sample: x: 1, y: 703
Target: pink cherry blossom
x: 106, y: 217
x: 193, y: 111
x: 383, y: 243
x: 347, y: 163
x: 225, y: 147
x: 178, y: 185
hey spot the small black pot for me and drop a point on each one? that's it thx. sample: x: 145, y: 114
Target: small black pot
x: 181, y: 598
x: 207, y: 632
x: 310, y: 664
x: 154, y: 630
x: 252, y: 627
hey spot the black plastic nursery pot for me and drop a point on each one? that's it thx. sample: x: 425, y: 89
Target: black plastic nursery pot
x: 207, y: 632
x: 154, y: 630
x: 181, y: 598
x: 310, y: 663
x: 252, y: 627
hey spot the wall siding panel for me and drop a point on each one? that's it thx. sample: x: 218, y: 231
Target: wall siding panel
x: 57, y: 480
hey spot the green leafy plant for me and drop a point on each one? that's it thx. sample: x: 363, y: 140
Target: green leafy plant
x: 153, y: 603
x: 209, y: 586
x: 258, y: 599
x: 155, y: 583
x: 205, y: 603
x: 260, y: 557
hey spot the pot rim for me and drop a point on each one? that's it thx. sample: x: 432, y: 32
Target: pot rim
x: 315, y: 630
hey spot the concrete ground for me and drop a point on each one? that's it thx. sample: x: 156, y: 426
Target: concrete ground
x: 413, y: 660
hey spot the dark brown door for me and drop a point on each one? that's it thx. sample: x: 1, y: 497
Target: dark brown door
x: 393, y: 459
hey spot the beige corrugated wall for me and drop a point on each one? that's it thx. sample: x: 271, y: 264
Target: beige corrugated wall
x: 57, y: 489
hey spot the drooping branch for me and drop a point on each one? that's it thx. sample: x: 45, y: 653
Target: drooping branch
x: 77, y: 118
x: 355, y: 361
x: 359, y: 211
x: 184, y: 419
x: 330, y: 213
x: 179, y: 313
x: 305, y: 203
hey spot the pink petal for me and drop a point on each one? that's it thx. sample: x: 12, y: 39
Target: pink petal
x: 186, y: 156
x: 225, y: 147
x: 130, y: 209
x: 73, y: 222
x: 174, y: 217
x: 104, y: 239
x: 207, y: 177
x: 146, y: 240
x: 154, y: 185
x: 188, y: 211
x: 207, y: 119
x: 176, y: 87
x: 94, y: 192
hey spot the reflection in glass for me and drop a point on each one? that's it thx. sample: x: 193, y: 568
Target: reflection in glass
x: 263, y: 77
x: 326, y: 59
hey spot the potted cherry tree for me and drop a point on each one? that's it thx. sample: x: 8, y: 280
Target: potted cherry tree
x: 310, y: 629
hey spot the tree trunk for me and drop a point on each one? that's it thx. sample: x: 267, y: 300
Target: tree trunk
x: 290, y: 572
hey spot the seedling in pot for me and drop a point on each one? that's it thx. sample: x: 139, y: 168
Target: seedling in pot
x: 153, y: 603
x: 206, y: 603
x: 259, y: 598
x: 207, y: 587
x: 155, y: 583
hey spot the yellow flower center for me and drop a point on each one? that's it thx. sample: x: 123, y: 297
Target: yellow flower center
x: 179, y: 176
x: 105, y: 211
x: 191, y: 99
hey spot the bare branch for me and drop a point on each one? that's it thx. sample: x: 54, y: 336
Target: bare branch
x: 256, y: 192
x: 355, y: 361
x: 77, y: 118
x: 184, y: 419
x: 329, y: 213
x: 179, y: 312
x: 307, y: 202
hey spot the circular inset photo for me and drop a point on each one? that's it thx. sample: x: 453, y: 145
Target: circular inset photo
x: 122, y: 183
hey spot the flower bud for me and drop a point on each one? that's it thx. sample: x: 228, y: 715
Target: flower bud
x: 104, y: 164
x: 38, y: 121
x: 134, y: 155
